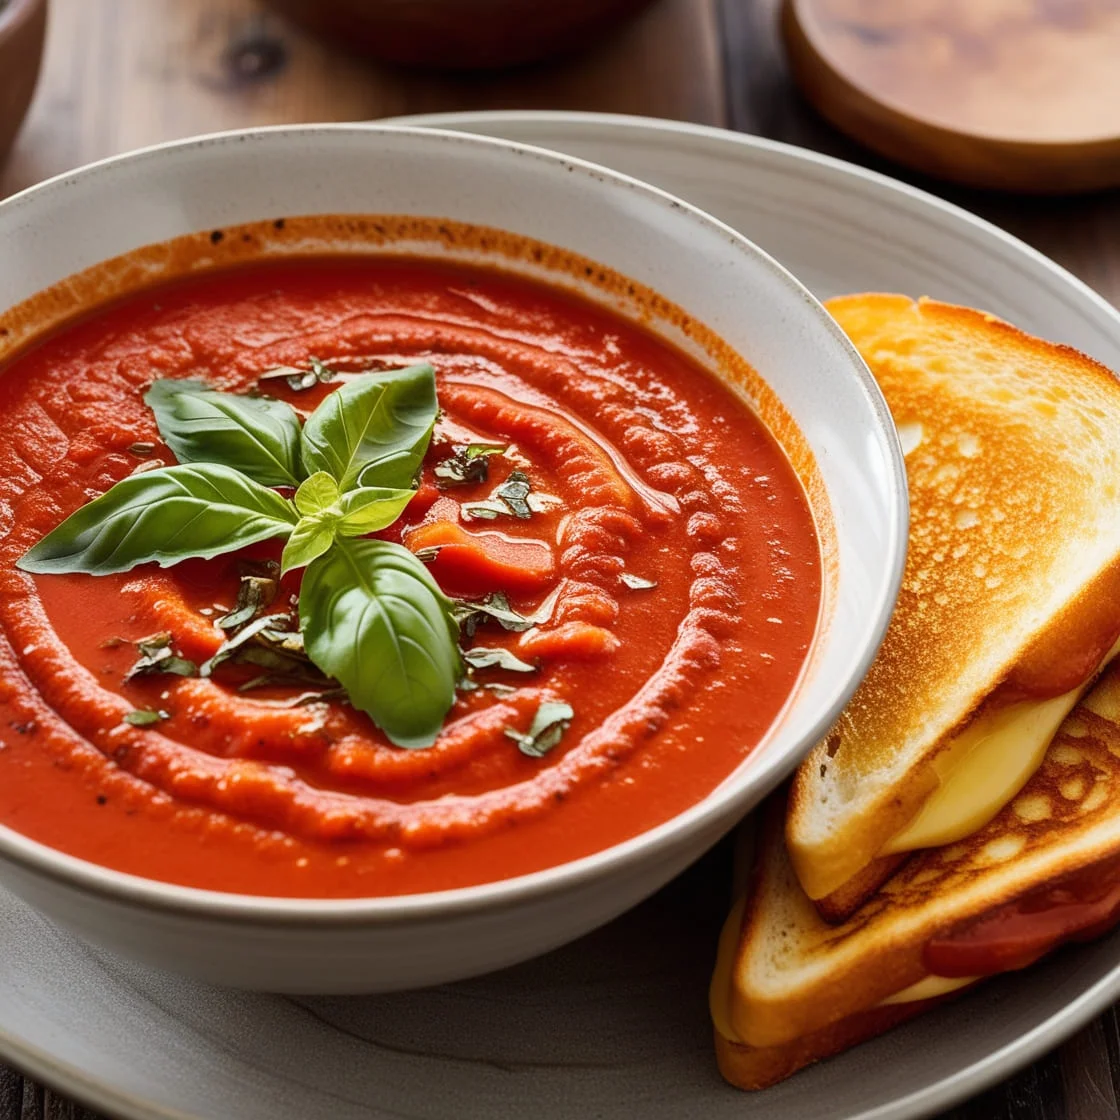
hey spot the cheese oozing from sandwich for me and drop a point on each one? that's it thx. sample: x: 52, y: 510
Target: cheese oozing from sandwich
x: 930, y: 987
x: 985, y: 766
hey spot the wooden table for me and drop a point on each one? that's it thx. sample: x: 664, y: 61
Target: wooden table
x: 123, y: 73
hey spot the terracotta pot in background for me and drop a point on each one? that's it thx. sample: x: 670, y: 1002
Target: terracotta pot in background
x: 23, y: 27
x: 460, y: 34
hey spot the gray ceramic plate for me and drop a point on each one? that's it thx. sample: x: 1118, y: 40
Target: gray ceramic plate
x: 613, y: 1026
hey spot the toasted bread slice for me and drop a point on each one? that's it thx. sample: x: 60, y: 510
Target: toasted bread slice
x: 1011, y: 591
x: 790, y: 988
x: 751, y: 1067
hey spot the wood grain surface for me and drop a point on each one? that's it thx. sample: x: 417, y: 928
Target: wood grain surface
x: 123, y: 73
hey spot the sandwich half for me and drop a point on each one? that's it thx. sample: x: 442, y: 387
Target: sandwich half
x: 790, y: 988
x: 1010, y: 604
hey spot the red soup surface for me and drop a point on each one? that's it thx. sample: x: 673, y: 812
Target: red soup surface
x: 642, y: 465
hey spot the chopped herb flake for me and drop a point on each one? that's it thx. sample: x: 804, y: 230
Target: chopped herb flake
x: 470, y: 612
x: 142, y: 717
x: 461, y: 469
x: 300, y: 379
x: 482, y: 657
x: 157, y: 656
x: 253, y: 595
x: 480, y: 450
x: 514, y: 492
x: 481, y: 511
x: 270, y: 643
x: 547, y: 729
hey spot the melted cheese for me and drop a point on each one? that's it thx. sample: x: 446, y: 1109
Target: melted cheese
x: 985, y: 766
x: 929, y: 988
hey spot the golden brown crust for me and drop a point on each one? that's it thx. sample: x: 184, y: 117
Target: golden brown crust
x: 843, y: 903
x: 750, y: 1067
x: 1015, y: 440
x: 1063, y: 820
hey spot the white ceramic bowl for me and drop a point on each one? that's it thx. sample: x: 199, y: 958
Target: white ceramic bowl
x: 718, y: 277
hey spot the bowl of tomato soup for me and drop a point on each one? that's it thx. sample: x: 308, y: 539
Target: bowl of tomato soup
x: 416, y: 549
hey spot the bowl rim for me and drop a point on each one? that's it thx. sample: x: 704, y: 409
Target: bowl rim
x: 124, y: 888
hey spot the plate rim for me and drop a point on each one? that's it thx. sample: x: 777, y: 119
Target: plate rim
x: 75, y: 1082
x: 914, y: 200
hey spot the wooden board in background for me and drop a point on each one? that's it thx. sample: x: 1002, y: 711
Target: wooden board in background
x: 1011, y: 94
x: 122, y: 74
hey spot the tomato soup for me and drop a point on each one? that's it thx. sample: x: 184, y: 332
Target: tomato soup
x: 633, y: 512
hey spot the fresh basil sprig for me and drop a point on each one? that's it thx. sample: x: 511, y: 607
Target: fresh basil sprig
x: 371, y: 616
x: 373, y: 431
x: 327, y: 514
x: 257, y: 436
x: 374, y: 619
x: 166, y: 515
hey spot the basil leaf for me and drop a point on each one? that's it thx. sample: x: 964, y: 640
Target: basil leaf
x: 142, y: 717
x: 253, y: 594
x: 255, y: 435
x: 467, y: 464
x: 547, y: 729
x: 482, y: 657
x: 481, y: 450
x: 157, y: 656
x: 470, y: 612
x: 514, y: 492
x: 370, y: 509
x: 165, y: 515
x: 374, y: 619
x: 461, y: 469
x: 231, y: 645
x: 310, y: 539
x: 374, y: 430
x: 317, y: 493
x: 480, y: 511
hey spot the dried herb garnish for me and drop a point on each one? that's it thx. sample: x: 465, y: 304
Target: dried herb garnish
x: 637, y: 583
x: 467, y: 465
x: 514, y: 492
x: 547, y: 729
x: 514, y: 498
x: 483, y: 657
x: 469, y: 684
x: 299, y: 379
x: 470, y: 612
x: 269, y: 642
x: 272, y: 643
x: 155, y: 655
x: 142, y: 717
x: 254, y: 594
x: 479, y: 511
x: 483, y: 450
x: 318, y: 696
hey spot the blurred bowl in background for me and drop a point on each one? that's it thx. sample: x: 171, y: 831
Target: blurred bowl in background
x: 23, y: 27
x: 460, y: 34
